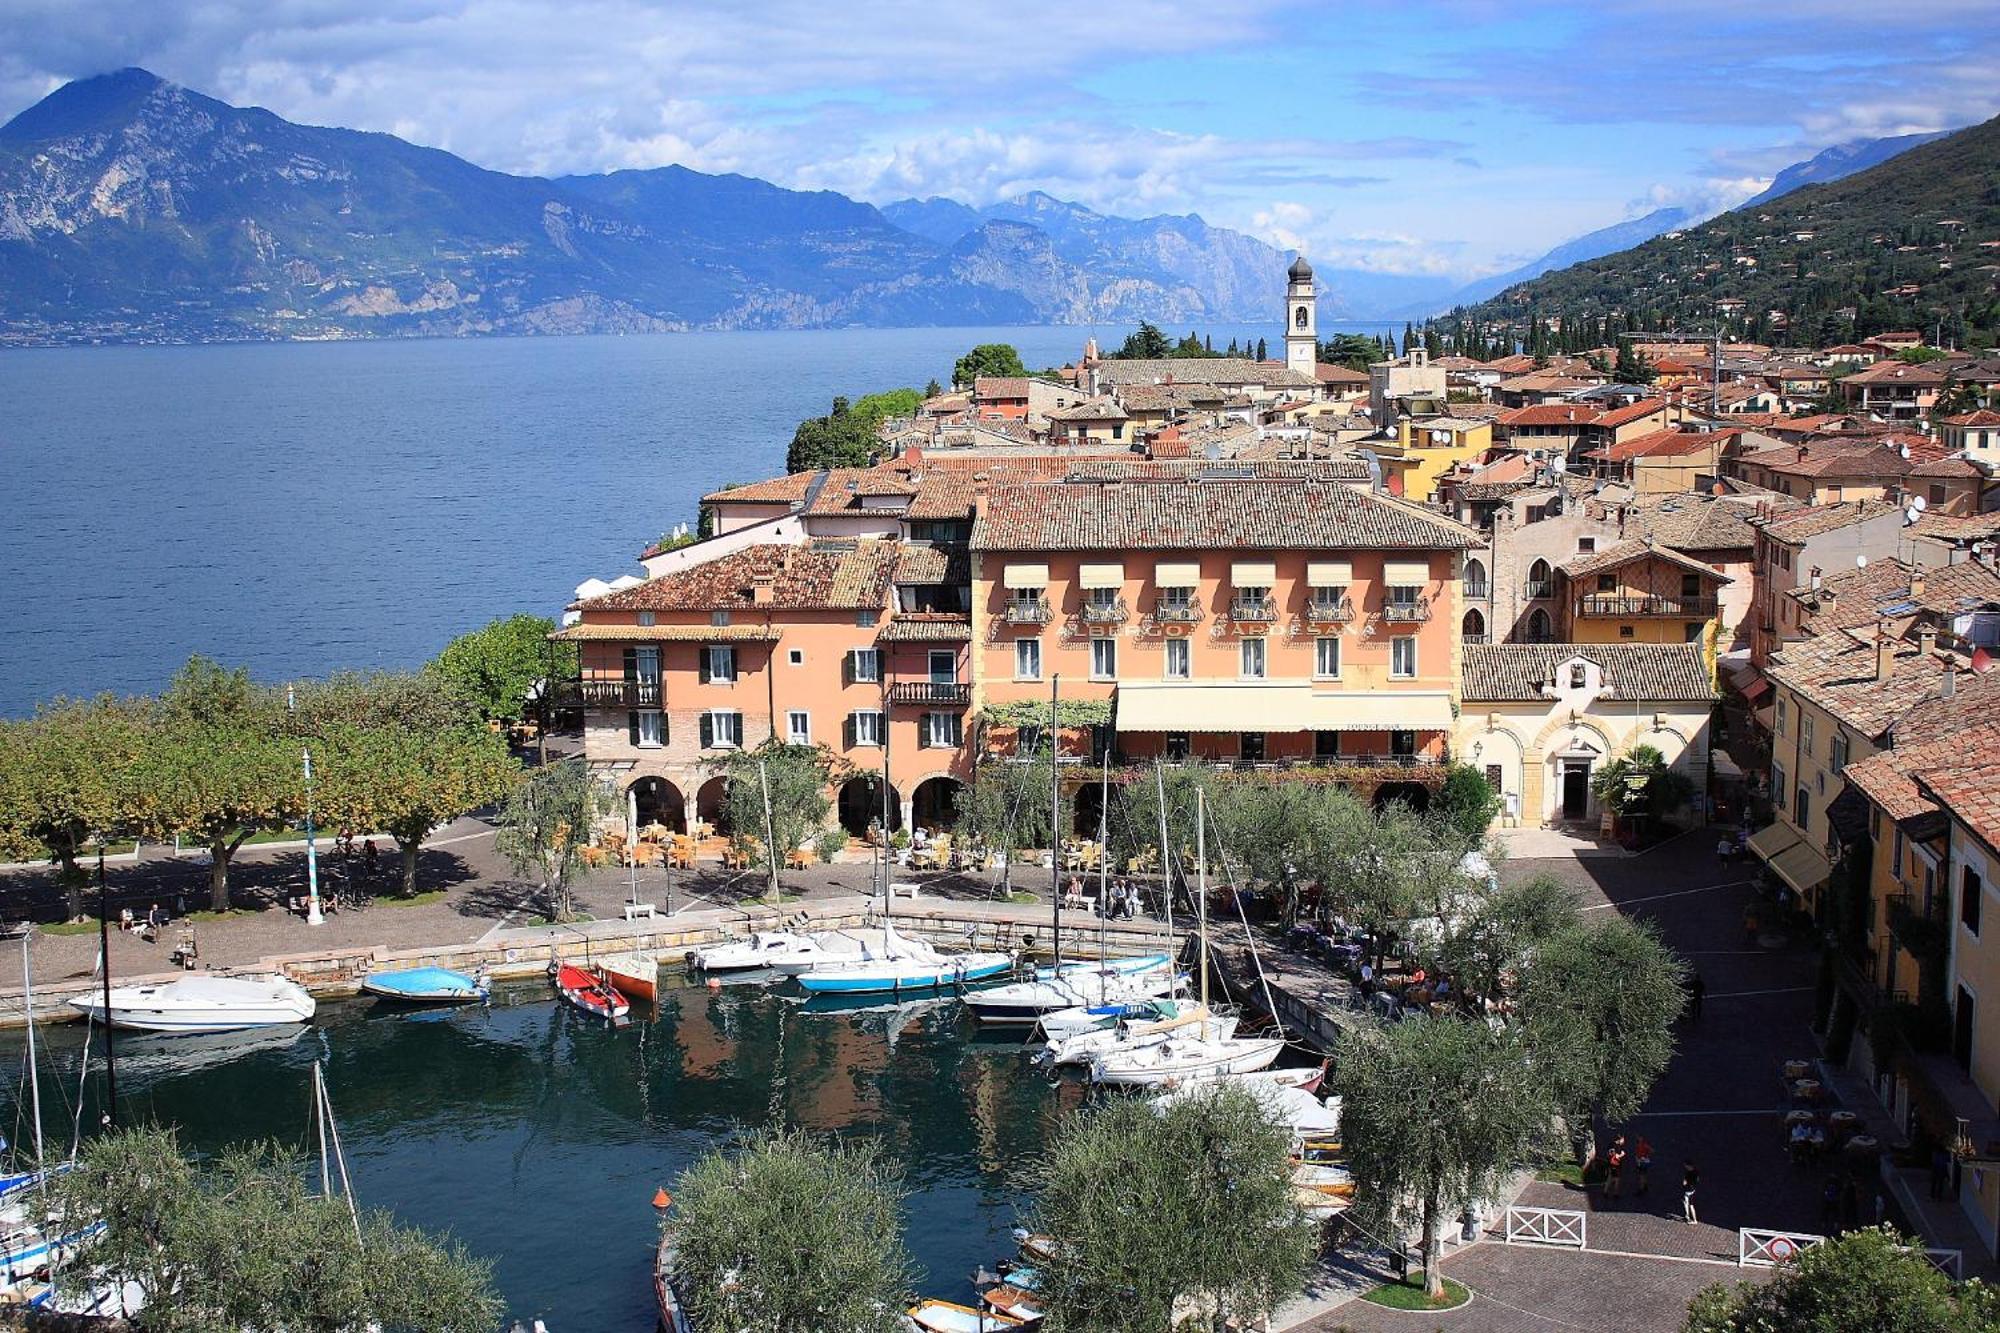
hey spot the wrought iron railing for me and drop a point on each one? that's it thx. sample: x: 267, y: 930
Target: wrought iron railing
x: 1178, y: 613
x: 1106, y: 613
x: 640, y: 693
x: 934, y: 693
x: 1028, y: 611
x: 1329, y: 611
x: 1258, y: 611
x: 1649, y: 606
x: 1407, y: 613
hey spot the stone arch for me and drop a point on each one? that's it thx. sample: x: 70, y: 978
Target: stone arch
x: 934, y: 802
x: 1540, y: 574
x: 1473, y: 627
x: 1476, y: 583
x: 711, y: 803
x: 659, y: 801
x: 1504, y: 747
x: 858, y: 804
x: 1540, y: 628
x: 1085, y: 809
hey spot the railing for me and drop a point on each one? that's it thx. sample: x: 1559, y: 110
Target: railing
x: 1178, y: 613
x: 1028, y: 611
x: 623, y: 693
x: 1261, y: 612
x: 1322, y: 611
x: 1649, y: 606
x: 1106, y: 613
x: 1949, y: 1262
x: 1564, y: 1227
x: 1379, y: 760
x: 1407, y: 613
x: 1478, y: 592
x: 1758, y: 1248
x: 1475, y: 638
x: 1538, y: 589
x: 951, y: 694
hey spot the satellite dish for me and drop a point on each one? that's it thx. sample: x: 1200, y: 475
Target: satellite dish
x: 1861, y: 562
x: 1918, y: 503
x: 1904, y: 451
x: 1910, y: 515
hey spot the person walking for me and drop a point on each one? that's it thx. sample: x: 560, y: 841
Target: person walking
x: 1689, y: 1179
x: 1850, y: 1204
x: 1614, y: 1177
x: 1642, y: 1161
x: 1696, y: 989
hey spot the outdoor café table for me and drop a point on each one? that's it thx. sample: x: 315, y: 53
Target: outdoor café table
x: 1797, y: 1069
x: 1806, y: 1089
x: 1862, y: 1145
x: 1843, y: 1123
x: 1800, y: 1118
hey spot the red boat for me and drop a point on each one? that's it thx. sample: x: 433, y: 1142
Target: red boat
x: 590, y: 992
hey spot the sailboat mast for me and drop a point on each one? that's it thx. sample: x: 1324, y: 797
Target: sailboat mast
x: 1166, y: 856
x: 1103, y: 865
x: 28, y: 1009
x: 104, y: 955
x: 770, y: 830
x: 319, y: 1128
x: 1201, y: 881
x: 1055, y: 814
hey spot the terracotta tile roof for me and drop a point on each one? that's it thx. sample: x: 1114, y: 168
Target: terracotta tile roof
x: 1549, y: 414
x: 1619, y: 416
x: 1887, y: 778
x: 778, y: 490
x: 989, y: 388
x: 922, y: 564
x: 1095, y: 409
x: 919, y: 627
x: 1796, y: 525
x: 1203, y: 370
x: 1624, y: 553
x: 1327, y: 373
x: 1167, y: 397
x: 1955, y: 527
x: 1662, y: 444
x: 1946, y: 467
x: 1930, y: 374
x: 1515, y: 672
x: 1837, y: 672
x: 1983, y: 417
x: 596, y: 633
x: 1259, y: 513
x: 818, y: 576
x: 1971, y: 792
x: 1694, y: 523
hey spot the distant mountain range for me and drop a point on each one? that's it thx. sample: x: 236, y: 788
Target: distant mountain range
x: 1841, y: 160
x: 1847, y: 252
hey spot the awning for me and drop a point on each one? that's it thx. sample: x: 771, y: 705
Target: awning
x: 1277, y: 706
x: 1756, y: 690
x: 1329, y: 574
x: 1102, y: 576
x: 1768, y: 842
x: 1253, y: 574
x: 1764, y: 717
x: 1177, y: 575
x: 1406, y: 573
x: 1024, y: 577
x: 1802, y: 867
x: 1382, y: 710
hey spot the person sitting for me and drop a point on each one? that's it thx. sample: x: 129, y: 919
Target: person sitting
x: 1801, y: 1142
x: 125, y: 918
x: 155, y: 917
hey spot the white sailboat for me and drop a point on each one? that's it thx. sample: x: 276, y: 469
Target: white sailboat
x: 201, y: 1004
x: 1025, y: 1002
x: 1160, y: 1021
x: 764, y: 949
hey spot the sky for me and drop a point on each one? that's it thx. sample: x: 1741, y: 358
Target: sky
x: 1442, y: 137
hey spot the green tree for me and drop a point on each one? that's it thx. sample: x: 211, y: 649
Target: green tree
x: 987, y: 359
x: 1917, y: 356
x: 245, y: 1244
x: 1489, y: 950
x: 1170, y: 1217
x: 1435, y: 1113
x: 876, y: 408
x: 544, y: 827
x: 1146, y: 343
x: 66, y: 777
x: 1866, y: 1279
x: 1385, y: 869
x: 1600, y: 1003
x: 1263, y: 350
x: 838, y: 439
x: 1630, y: 367
x: 792, y: 1234
x: 217, y: 766
x: 1006, y: 810
x: 1356, y: 351
x: 797, y: 778
x: 1641, y: 782
x: 502, y: 666
x: 1468, y: 803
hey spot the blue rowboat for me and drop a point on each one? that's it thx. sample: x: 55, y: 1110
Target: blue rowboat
x: 425, y: 985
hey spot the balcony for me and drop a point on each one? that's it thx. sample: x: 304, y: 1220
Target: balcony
x: 1028, y: 611
x: 1475, y: 638
x: 623, y: 694
x: 1114, y: 612
x: 1478, y: 592
x: 930, y: 694
x: 1537, y: 589
x: 1258, y: 611
x: 1178, y: 613
x: 1407, y: 613
x: 1688, y: 607
x: 1329, y: 611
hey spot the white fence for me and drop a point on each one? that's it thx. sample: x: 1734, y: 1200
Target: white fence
x: 1949, y: 1262
x: 1545, y: 1226
x: 1757, y: 1248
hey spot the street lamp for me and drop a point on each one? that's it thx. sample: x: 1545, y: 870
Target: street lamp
x: 313, y: 915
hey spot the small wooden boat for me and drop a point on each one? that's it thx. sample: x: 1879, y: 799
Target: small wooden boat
x: 425, y: 985
x: 590, y: 993
x: 636, y: 976
x: 949, y: 1317
x: 673, y: 1313
x: 1035, y: 1246
x: 1014, y: 1302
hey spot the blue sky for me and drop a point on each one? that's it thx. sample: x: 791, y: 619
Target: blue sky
x: 1453, y: 137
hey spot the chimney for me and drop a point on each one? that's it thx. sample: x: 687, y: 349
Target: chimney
x: 1927, y: 640
x: 1885, y: 651
x: 1948, y: 683
x: 1917, y: 584
x: 1815, y: 578
x: 1802, y: 453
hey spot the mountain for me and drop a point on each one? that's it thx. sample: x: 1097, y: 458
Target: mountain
x: 1901, y: 244
x: 1590, y: 245
x: 131, y: 208
x: 1841, y: 160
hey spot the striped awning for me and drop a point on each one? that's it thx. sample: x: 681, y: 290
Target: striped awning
x: 1406, y: 573
x: 1026, y: 577
x: 1253, y: 574
x: 1102, y: 576
x: 1177, y: 574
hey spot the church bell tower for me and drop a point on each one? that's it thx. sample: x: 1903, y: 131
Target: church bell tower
x: 1301, y: 319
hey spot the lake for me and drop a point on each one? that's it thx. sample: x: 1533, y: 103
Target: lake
x: 298, y: 508
x: 506, y: 1123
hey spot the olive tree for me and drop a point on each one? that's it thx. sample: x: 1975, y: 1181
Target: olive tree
x: 794, y: 778
x: 1871, y: 1278
x: 1435, y: 1112
x: 789, y: 1233
x: 1006, y: 809
x: 1170, y: 1215
x: 544, y: 827
x: 66, y: 777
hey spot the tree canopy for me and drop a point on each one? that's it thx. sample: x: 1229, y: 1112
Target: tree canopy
x: 987, y: 359
x: 544, y: 827
x: 502, y: 665
x: 839, y: 439
x: 790, y: 1233
x: 1870, y: 1278
x: 796, y: 777
x: 66, y: 776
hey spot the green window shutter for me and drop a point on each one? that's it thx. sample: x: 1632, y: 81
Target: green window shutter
x: 701, y: 661
x: 707, y: 731
x: 632, y: 727
x: 631, y: 664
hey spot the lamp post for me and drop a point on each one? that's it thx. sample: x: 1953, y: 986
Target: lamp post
x: 313, y: 917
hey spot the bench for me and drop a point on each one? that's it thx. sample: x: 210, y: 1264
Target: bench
x: 907, y: 890
x: 636, y: 911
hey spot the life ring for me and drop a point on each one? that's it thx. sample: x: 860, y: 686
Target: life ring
x: 513, y: 955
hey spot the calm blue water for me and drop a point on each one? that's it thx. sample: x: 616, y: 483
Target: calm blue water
x: 297, y: 508
x: 504, y: 1125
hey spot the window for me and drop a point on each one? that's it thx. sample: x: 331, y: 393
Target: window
x: 1176, y: 746
x: 867, y: 619
x: 798, y: 727
x: 648, y: 728
x: 719, y: 664
x: 644, y: 664
x: 1326, y: 745
x: 1690, y: 585
x: 1178, y: 599
x: 649, y: 618
x: 1937, y: 495
x: 1403, y: 656
x: 1778, y: 787
x: 1970, y: 889
x: 1540, y: 628
x: 1251, y: 599
x: 1251, y: 659
x: 1494, y: 778
x: 721, y: 729
x: 864, y: 665
x: 1475, y: 579
x: 1329, y: 597
x: 1875, y: 822
x: 1104, y: 598
x: 1579, y: 675
x: 1250, y: 747
x: 1586, y: 545
x: 1403, y: 743
x: 796, y: 657
x: 1104, y: 659
x: 1779, y: 726
x: 943, y: 666
x: 1692, y: 631
x: 1626, y: 632
x: 719, y: 619
x: 1806, y: 732
x: 1326, y: 658
x: 942, y: 731
x: 866, y: 727
x: 1027, y: 659
x: 1607, y: 583
x: 1839, y: 750
x: 1801, y: 811
x: 1177, y: 659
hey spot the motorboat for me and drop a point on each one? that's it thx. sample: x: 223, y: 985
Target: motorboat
x: 636, y: 976
x: 949, y: 1317
x: 1185, y: 1057
x: 838, y: 948
x: 1162, y: 1020
x: 426, y: 985
x: 1292, y: 1108
x: 666, y: 1288
x: 590, y: 992
x: 762, y: 950
x: 1060, y: 1023
x: 1012, y: 1299
x: 202, y: 1004
x: 1024, y: 1002
x: 1107, y: 967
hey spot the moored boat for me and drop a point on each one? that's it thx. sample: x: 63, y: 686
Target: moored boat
x: 763, y: 949
x: 934, y: 1316
x: 1185, y: 1057
x: 1024, y: 1002
x: 1163, y: 1020
x: 201, y: 1004
x: 900, y: 974
x: 666, y: 1292
x: 636, y: 976
x: 590, y: 993
x: 425, y: 985
x: 1015, y: 1301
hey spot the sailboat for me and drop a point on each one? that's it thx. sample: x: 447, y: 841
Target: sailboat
x: 905, y: 965
x: 1158, y: 1021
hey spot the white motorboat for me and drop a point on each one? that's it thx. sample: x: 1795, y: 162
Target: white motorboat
x: 1165, y: 1019
x: 839, y: 948
x: 1025, y: 1002
x: 764, y: 949
x: 1287, y: 1106
x: 1185, y: 1058
x: 202, y: 1004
